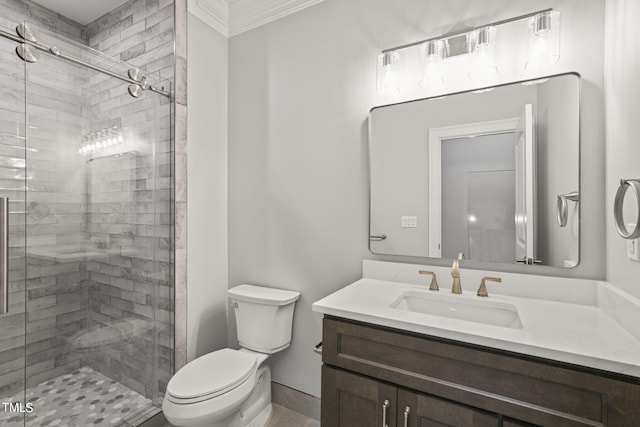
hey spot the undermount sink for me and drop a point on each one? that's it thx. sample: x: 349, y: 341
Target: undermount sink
x: 460, y: 307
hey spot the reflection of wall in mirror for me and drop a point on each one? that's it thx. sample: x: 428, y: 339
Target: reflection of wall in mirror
x: 557, y: 137
x: 400, y: 188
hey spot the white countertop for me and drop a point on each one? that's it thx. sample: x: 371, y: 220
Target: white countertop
x: 587, y: 323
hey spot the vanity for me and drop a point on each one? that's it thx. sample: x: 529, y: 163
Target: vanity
x: 538, y: 351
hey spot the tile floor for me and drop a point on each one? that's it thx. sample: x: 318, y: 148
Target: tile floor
x: 80, y: 399
x: 283, y: 417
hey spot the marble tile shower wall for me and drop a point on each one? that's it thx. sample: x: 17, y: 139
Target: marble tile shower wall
x: 124, y: 288
x: 16, y: 11
x: 116, y: 210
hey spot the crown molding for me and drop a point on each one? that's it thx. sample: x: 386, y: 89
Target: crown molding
x: 249, y: 14
x: 214, y: 13
x: 233, y: 17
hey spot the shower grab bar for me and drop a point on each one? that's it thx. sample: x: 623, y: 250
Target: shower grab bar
x: 562, y: 210
x: 4, y: 255
x: 618, y: 215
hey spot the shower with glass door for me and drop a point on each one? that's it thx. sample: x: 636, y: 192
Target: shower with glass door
x: 86, y: 234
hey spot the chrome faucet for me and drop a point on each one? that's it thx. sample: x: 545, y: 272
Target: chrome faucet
x: 455, y: 273
x: 434, y: 281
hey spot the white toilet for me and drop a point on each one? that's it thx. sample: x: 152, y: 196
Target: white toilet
x: 230, y: 388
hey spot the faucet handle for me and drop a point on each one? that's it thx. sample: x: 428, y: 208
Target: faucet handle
x: 460, y: 256
x: 482, y: 290
x: 434, y: 281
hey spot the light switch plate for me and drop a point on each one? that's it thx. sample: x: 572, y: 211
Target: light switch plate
x: 409, y: 222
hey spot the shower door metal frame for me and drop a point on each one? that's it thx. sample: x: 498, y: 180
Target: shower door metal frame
x: 26, y: 40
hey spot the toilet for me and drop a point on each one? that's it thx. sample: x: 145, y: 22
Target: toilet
x: 231, y: 388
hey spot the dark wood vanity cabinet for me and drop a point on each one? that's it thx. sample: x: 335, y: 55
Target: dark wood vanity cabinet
x: 351, y: 400
x: 447, y: 383
x: 423, y: 410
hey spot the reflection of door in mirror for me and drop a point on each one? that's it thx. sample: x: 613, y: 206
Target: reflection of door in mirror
x: 478, y: 197
x: 526, y: 203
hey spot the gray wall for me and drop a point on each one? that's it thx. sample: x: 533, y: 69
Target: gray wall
x: 623, y: 128
x: 300, y: 89
x: 207, y: 203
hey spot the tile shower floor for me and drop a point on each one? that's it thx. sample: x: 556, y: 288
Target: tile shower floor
x: 80, y: 399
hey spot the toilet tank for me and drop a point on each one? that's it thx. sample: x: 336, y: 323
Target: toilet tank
x: 264, y: 317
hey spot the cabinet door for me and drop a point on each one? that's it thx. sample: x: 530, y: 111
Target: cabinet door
x: 421, y: 410
x: 350, y: 400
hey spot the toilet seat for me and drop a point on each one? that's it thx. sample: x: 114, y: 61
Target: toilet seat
x: 212, y: 375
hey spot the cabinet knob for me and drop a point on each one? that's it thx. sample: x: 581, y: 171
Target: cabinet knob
x: 385, y: 406
x: 407, y: 410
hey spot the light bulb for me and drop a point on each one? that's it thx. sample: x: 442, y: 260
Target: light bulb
x: 433, y: 66
x: 543, y: 47
x: 483, y: 54
x: 387, y: 81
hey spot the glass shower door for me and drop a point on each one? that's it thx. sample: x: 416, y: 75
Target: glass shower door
x: 98, y: 270
x: 13, y: 180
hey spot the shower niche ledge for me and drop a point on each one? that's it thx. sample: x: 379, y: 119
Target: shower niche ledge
x: 76, y: 253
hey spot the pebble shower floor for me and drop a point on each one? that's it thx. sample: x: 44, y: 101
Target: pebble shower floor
x: 81, y: 399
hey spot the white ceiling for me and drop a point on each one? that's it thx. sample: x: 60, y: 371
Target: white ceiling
x: 83, y: 12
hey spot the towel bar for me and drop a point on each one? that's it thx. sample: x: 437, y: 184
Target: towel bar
x: 618, y: 206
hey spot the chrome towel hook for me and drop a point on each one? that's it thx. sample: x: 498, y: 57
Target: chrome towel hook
x: 562, y: 210
x: 634, y: 184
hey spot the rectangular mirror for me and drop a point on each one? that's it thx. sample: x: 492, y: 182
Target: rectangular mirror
x: 492, y: 173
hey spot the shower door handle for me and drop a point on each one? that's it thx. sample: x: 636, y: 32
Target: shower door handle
x: 4, y: 255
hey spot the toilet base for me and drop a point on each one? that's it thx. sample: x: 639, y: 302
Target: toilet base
x: 255, y: 411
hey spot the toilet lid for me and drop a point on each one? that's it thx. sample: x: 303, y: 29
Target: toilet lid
x: 212, y: 373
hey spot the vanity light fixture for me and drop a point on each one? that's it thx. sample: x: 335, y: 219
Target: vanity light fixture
x: 433, y: 64
x: 387, y: 80
x: 479, y: 45
x: 543, y: 45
